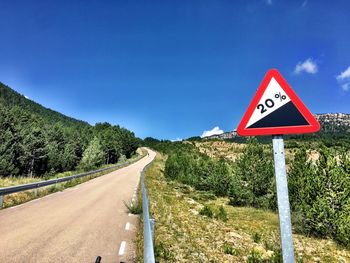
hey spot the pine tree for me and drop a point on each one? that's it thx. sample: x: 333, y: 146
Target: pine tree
x: 319, y: 194
x: 10, y: 144
x: 255, y: 170
x: 34, y: 158
x: 56, y: 146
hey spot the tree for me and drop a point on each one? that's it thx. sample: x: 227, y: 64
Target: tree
x: 73, y: 153
x: 56, y: 147
x: 320, y: 194
x: 93, y: 156
x: 110, y: 143
x: 34, y: 157
x: 10, y: 144
x: 254, y: 169
x: 128, y: 141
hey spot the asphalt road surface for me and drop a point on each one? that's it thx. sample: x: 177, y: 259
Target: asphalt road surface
x: 77, y: 224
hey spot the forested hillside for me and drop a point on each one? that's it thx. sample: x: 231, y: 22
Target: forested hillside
x: 36, y: 141
x: 10, y: 98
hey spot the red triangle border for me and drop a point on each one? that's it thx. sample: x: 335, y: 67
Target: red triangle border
x: 313, y: 126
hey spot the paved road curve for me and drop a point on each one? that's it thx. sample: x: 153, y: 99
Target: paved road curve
x: 75, y: 225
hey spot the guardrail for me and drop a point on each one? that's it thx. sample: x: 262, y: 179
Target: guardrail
x: 148, y: 223
x: 35, y: 185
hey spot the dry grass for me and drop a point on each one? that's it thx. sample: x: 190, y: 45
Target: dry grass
x: 219, y: 149
x: 183, y: 235
x: 231, y: 151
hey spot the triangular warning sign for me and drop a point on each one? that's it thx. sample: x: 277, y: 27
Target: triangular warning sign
x: 276, y: 109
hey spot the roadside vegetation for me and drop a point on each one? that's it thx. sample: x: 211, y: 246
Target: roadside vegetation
x: 319, y: 182
x: 195, y: 225
x: 319, y: 189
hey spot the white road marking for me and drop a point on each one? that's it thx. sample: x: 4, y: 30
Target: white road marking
x: 122, y: 248
x: 127, y: 226
x: 129, y: 214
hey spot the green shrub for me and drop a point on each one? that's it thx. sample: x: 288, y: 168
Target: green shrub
x: 230, y: 250
x: 203, y: 196
x: 134, y: 208
x: 255, y: 178
x: 256, y: 237
x: 255, y: 257
x: 206, y: 211
x: 222, y: 214
x: 319, y: 194
x: 162, y: 252
x: 200, y: 171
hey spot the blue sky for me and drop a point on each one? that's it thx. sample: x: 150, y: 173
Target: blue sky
x: 173, y: 69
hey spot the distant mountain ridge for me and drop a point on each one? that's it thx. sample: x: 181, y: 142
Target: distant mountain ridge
x: 330, y: 123
x: 334, y: 122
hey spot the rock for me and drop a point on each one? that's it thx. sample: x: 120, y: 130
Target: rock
x: 233, y: 234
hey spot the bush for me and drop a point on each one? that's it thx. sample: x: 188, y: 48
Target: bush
x: 206, y: 211
x: 255, y: 256
x: 319, y: 194
x: 254, y: 172
x: 256, y: 237
x: 222, y: 214
x: 134, y: 208
x: 200, y: 171
x: 162, y: 252
x: 230, y: 250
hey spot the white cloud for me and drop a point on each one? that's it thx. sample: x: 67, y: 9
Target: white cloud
x: 26, y: 97
x: 214, y: 131
x: 269, y: 2
x: 344, y: 79
x: 308, y: 66
x: 344, y: 75
x: 304, y: 3
x: 177, y: 140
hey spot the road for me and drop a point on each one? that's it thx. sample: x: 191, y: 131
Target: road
x: 77, y: 224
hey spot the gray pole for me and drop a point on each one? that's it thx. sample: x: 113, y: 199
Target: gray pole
x: 1, y: 201
x: 283, y: 200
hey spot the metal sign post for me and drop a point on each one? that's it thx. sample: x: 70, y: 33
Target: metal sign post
x: 283, y: 199
x: 276, y: 110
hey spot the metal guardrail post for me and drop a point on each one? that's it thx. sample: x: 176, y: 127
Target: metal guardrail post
x: 152, y: 222
x: 148, y: 225
x: 1, y: 201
